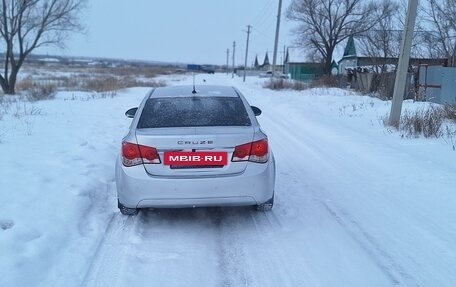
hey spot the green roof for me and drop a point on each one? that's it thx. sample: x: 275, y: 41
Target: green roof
x: 350, y: 49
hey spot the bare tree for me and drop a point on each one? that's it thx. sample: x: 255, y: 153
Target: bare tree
x: 439, y: 35
x: 382, y: 42
x: 28, y: 24
x: 324, y: 24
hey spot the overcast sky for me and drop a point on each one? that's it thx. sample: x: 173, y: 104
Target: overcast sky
x: 183, y: 31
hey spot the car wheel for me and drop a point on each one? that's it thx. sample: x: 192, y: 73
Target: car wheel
x: 126, y: 210
x: 266, y: 205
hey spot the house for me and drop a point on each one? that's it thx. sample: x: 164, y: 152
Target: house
x: 355, y: 58
x: 298, y: 68
x: 263, y: 67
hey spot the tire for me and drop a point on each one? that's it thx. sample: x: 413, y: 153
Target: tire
x: 266, y: 206
x: 126, y: 210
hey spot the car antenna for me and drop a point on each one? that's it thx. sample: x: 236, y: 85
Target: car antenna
x: 194, y: 90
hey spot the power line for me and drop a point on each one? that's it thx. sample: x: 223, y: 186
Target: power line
x: 265, y: 35
x: 264, y: 14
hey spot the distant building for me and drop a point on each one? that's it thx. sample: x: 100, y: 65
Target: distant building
x: 355, y: 58
x: 265, y: 66
x: 266, y: 61
x: 256, y: 62
x: 298, y: 68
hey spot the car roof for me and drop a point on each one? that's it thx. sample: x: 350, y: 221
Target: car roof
x: 201, y: 91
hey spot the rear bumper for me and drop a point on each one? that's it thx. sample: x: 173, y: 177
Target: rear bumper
x: 137, y: 189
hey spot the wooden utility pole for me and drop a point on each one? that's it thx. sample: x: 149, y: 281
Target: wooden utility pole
x: 234, y: 50
x: 246, y: 50
x: 404, y: 59
x: 227, y: 60
x: 276, y: 41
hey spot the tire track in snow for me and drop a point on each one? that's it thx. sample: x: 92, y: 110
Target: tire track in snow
x: 248, y: 253
x: 445, y: 234
x: 204, y: 247
x: 367, y: 242
x: 385, y: 262
x: 276, y: 266
x: 250, y: 250
x: 406, y: 257
x: 239, y: 240
x: 105, y: 267
x: 442, y: 236
x: 231, y: 252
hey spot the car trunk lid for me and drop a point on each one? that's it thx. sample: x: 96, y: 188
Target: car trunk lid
x: 195, y: 140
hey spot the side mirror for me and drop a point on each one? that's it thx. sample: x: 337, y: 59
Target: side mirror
x: 131, y: 112
x: 256, y: 110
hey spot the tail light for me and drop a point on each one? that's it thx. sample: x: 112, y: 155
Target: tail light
x: 134, y: 154
x: 255, y: 152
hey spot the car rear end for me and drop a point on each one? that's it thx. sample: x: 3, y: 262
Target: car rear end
x: 189, y: 149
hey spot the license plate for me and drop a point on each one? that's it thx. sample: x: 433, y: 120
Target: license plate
x: 183, y: 158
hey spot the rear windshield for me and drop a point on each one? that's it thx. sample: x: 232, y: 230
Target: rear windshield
x: 193, y: 112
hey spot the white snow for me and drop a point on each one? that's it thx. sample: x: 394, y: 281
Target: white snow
x: 356, y: 204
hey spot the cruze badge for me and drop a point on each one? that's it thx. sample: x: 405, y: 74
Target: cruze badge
x: 195, y: 142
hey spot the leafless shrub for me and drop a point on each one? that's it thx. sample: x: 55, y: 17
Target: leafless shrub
x: 5, y: 104
x: 383, y: 85
x: 44, y: 81
x: 329, y: 81
x: 129, y: 82
x: 450, y: 134
x: 37, y: 90
x: 112, y: 83
x: 102, y: 84
x: 41, y: 92
x: 25, y: 84
x: 23, y: 109
x: 2, y: 107
x: 284, y: 84
x: 427, y: 122
x: 322, y: 81
x: 449, y: 111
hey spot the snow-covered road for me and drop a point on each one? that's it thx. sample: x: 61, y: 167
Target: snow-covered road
x: 356, y: 205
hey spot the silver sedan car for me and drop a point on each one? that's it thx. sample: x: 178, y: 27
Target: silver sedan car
x: 192, y: 147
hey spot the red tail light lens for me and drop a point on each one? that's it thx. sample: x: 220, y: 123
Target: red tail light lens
x: 259, y: 151
x: 242, y: 152
x: 130, y: 154
x: 134, y: 154
x: 255, y: 152
x: 149, y: 154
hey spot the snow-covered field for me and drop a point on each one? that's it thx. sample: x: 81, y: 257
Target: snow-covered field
x: 356, y: 204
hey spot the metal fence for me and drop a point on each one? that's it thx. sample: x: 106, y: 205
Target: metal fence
x: 383, y: 83
x: 437, y: 84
